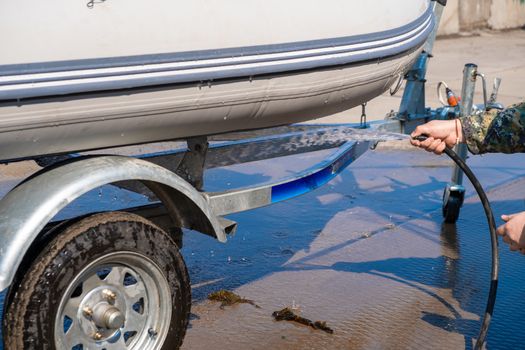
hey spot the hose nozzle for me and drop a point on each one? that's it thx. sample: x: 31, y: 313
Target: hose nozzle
x: 420, y: 137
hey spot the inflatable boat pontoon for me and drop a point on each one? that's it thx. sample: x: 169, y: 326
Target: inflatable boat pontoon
x: 85, y: 74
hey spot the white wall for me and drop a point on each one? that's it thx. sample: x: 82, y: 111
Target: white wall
x: 507, y: 14
x: 467, y: 15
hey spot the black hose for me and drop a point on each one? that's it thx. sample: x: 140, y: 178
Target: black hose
x: 493, y: 239
x: 494, y: 246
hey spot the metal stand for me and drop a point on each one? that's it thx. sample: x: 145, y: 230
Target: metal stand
x: 191, y: 167
x: 454, y: 193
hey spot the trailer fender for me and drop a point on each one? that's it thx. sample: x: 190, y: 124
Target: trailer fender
x: 29, y: 207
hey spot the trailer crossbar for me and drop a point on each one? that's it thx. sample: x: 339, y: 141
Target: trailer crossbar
x: 233, y: 201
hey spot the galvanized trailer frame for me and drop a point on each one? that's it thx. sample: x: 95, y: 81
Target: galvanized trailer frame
x: 173, y: 179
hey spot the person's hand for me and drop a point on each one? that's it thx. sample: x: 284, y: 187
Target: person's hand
x: 440, y: 134
x: 513, y: 231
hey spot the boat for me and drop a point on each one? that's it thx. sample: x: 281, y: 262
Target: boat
x: 77, y: 75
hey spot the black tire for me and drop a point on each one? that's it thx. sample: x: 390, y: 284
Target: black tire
x: 451, y: 209
x: 31, y: 312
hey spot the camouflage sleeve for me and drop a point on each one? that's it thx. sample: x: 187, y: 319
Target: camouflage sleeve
x: 496, y: 131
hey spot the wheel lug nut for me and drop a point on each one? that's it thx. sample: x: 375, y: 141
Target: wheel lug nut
x: 97, y: 336
x: 88, y: 312
x: 109, y: 295
x: 152, y: 333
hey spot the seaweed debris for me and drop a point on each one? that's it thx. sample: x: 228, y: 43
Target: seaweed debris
x: 287, y: 314
x: 228, y: 298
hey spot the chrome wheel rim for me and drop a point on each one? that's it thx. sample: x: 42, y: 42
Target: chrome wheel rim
x: 119, y: 301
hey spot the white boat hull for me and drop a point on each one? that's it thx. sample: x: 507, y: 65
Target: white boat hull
x: 55, y: 101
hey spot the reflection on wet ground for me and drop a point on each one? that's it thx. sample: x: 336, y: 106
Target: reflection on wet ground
x: 367, y: 253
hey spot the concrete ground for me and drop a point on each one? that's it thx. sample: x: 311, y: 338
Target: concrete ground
x: 497, y: 54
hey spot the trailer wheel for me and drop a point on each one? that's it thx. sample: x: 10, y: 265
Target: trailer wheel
x: 452, y: 202
x: 109, y: 281
x: 451, y: 210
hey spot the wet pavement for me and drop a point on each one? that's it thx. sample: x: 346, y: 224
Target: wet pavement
x: 367, y: 253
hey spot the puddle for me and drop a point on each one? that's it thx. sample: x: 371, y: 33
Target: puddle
x: 280, y: 235
x: 279, y: 253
